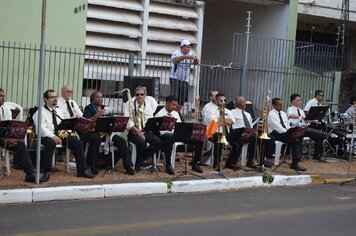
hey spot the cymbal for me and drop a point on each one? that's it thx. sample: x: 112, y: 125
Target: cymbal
x: 331, y: 103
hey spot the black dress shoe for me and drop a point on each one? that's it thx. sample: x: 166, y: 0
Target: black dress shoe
x: 30, y: 178
x: 267, y: 164
x: 45, y: 177
x: 94, y: 170
x: 59, y: 158
x: 251, y: 165
x: 169, y: 170
x: 231, y: 166
x: 297, y: 167
x: 130, y: 171
x: 86, y: 174
x: 197, y: 168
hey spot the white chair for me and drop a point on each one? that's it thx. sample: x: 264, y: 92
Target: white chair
x: 58, y: 146
x: 208, y: 160
x: 134, y: 154
x: 6, y: 153
x: 307, y: 141
x: 277, y: 152
x: 174, y: 153
x: 14, y: 106
x: 244, y: 154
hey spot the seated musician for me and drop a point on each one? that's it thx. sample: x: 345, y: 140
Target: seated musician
x: 51, y: 117
x: 69, y: 107
x: 137, y: 135
x: 243, y: 121
x: 296, y: 118
x: 213, y: 114
x: 93, y: 111
x: 149, y: 100
x: 16, y: 145
x: 352, y: 109
x: 316, y: 101
x: 167, y: 137
x: 278, y: 125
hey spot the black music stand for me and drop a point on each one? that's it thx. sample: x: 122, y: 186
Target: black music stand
x: 183, y: 133
x: 316, y: 113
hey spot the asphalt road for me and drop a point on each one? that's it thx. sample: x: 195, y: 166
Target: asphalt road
x: 310, y: 210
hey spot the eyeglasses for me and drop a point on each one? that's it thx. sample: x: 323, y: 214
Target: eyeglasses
x: 140, y: 94
x: 69, y: 91
x: 53, y: 97
x: 321, y: 95
x: 223, y: 100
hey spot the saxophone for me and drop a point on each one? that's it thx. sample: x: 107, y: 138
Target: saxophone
x: 131, y: 108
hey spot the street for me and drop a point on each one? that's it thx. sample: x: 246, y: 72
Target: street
x: 308, y: 210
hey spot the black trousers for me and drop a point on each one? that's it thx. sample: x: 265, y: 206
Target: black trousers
x: 93, y: 140
x: 295, y: 145
x: 217, y: 148
x: 73, y: 144
x: 318, y: 140
x: 234, y: 138
x: 167, y: 146
x: 141, y: 145
x: 179, y: 89
x: 122, y: 152
x: 23, y: 157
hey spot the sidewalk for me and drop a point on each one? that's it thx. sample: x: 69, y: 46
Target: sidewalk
x: 63, y: 185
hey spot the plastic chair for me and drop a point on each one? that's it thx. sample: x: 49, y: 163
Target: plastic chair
x: 244, y: 154
x: 6, y: 153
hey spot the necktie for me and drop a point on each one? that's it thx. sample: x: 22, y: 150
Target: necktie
x: 246, y: 122
x: 318, y: 104
x: 298, y: 111
x: 71, y: 114
x: 281, y: 120
x: 169, y: 114
x: 2, y: 116
x: 54, y: 119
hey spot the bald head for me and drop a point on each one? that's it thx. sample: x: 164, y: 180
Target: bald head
x: 240, y: 102
x: 67, y: 92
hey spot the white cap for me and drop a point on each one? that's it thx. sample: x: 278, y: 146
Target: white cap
x: 184, y: 43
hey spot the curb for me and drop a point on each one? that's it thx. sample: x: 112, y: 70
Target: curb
x: 149, y: 188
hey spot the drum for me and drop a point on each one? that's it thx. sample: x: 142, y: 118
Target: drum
x: 344, y: 118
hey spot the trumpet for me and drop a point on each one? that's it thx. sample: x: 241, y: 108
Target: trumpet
x: 222, y: 120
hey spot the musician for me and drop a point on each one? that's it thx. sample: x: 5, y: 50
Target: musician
x: 278, y: 125
x: 296, y: 118
x: 149, y: 100
x: 213, y: 113
x: 211, y: 106
x: 352, y: 109
x: 93, y: 111
x: 18, y: 146
x: 69, y: 107
x: 243, y: 121
x: 137, y: 135
x: 167, y: 137
x: 316, y: 101
x: 51, y: 117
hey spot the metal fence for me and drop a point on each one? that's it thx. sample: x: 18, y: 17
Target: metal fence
x: 272, y: 67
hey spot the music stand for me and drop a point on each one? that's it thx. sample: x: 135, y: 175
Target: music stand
x: 183, y: 132
x: 316, y: 113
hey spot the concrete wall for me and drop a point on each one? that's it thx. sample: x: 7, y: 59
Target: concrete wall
x: 223, y: 20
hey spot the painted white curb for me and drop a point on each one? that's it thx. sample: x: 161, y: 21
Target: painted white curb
x: 200, y: 185
x: 68, y: 193
x: 291, y: 180
x: 114, y: 190
x: 15, y: 196
x: 246, y: 182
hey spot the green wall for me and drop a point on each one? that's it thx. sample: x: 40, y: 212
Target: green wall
x: 20, y: 27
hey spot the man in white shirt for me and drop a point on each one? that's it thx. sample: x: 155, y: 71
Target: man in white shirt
x: 141, y: 113
x: 278, y: 125
x: 51, y: 118
x: 149, y: 100
x: 242, y: 126
x: 168, y: 140
x: 352, y: 109
x: 16, y: 145
x: 210, y: 107
x: 182, y: 59
x: 316, y: 101
x: 213, y: 115
x: 296, y: 118
x: 69, y: 107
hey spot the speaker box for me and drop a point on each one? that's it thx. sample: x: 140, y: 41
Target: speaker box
x: 151, y: 84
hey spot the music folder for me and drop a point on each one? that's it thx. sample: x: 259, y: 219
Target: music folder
x: 120, y: 123
x: 82, y: 125
x: 13, y: 129
x: 316, y: 113
x: 104, y: 124
x: 162, y: 123
x: 14, y: 113
x: 184, y: 132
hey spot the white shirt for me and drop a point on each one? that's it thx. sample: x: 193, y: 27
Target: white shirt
x: 274, y: 123
x: 150, y: 101
x: 351, y: 110
x: 214, y: 113
x: 74, y: 106
x: 239, y: 119
x: 164, y: 112
x: 180, y: 71
x: 294, y: 111
x: 47, y: 126
x: 311, y: 103
x: 147, y: 113
x: 5, y: 113
x: 208, y: 111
